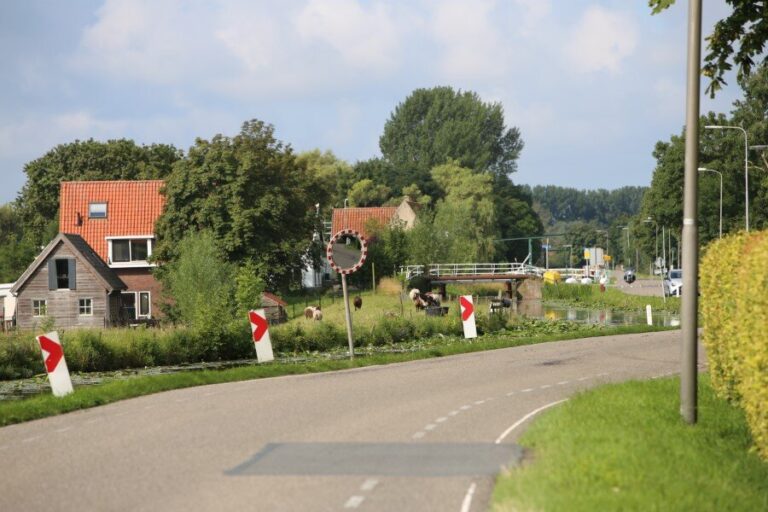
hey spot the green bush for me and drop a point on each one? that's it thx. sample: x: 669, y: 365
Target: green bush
x: 20, y: 356
x: 735, y: 320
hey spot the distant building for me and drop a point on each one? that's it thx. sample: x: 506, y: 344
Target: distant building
x: 7, y: 307
x: 359, y: 219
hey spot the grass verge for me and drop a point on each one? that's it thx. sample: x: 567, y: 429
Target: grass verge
x: 36, y: 407
x: 625, y: 447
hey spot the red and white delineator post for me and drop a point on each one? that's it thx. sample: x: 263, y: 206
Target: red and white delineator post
x: 260, y: 335
x: 468, y: 316
x: 55, y: 364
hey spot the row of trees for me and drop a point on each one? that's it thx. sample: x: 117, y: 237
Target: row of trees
x: 260, y: 203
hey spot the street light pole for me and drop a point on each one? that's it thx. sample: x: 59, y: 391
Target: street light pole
x: 746, y: 167
x: 689, y: 310
x: 656, y: 225
x: 704, y: 169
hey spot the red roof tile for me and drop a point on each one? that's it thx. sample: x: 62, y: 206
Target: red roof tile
x: 132, y: 209
x: 358, y: 218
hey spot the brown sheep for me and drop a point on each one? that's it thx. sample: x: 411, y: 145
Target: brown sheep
x: 358, y: 302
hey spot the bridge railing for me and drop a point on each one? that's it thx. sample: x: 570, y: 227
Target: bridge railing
x: 470, y: 269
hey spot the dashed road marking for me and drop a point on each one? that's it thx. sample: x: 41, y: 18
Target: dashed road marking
x: 526, y: 390
x: 465, y: 407
x: 354, y: 501
x: 441, y: 419
x: 583, y: 378
x: 431, y: 426
x: 419, y: 435
x: 453, y: 413
x: 510, y: 393
x: 369, y: 484
x: 563, y: 382
x: 545, y: 386
x: 480, y: 402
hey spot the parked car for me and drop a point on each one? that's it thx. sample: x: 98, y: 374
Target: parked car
x: 673, y: 283
x: 629, y: 276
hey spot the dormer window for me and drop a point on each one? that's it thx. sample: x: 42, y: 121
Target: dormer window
x: 97, y: 211
x: 129, y: 251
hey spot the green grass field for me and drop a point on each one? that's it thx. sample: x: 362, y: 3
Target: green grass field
x: 625, y: 447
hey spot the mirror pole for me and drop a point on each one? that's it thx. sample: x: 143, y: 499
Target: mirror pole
x: 348, y: 315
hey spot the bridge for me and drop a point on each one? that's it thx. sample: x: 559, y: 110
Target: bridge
x: 521, y: 279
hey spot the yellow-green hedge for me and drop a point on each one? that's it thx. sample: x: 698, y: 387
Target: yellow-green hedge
x: 734, y: 307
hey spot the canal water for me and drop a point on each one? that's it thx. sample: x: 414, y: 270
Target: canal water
x: 539, y: 309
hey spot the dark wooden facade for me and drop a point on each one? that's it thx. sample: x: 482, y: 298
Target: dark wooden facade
x: 86, y: 281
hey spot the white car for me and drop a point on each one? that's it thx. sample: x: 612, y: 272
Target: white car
x: 673, y: 283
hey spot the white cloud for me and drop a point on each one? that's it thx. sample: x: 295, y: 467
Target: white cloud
x: 601, y: 40
x: 163, y: 42
x: 471, y: 43
x: 534, y: 15
x: 25, y: 137
x: 365, y: 38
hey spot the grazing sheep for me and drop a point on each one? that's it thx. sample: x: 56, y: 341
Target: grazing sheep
x: 313, y: 313
x: 317, y: 315
x: 358, y: 302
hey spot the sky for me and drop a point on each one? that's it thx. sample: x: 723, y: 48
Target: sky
x: 592, y: 85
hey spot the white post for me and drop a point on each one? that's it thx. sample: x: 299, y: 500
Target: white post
x: 348, y: 316
x: 648, y: 314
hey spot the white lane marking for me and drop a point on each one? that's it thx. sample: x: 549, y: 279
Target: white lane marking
x: 563, y: 382
x: 431, y: 426
x: 522, y: 420
x: 526, y: 390
x: 453, y: 413
x: 467, y: 503
x: 465, y: 407
x: 419, y: 435
x: 61, y: 430
x: 354, y: 501
x: 369, y: 484
x: 30, y: 439
x: 480, y: 402
x: 510, y: 393
x: 545, y: 386
x: 441, y: 419
x: 583, y: 378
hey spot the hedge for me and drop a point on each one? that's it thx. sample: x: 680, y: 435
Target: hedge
x: 734, y: 310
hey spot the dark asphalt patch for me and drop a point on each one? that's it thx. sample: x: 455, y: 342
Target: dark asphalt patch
x: 382, y: 459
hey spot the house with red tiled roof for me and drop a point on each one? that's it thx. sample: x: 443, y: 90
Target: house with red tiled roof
x: 360, y: 219
x: 107, y: 231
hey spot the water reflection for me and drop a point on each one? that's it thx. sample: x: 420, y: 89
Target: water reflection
x: 539, y: 309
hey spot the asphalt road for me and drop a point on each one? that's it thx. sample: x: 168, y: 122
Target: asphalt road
x: 648, y: 287
x: 410, y: 436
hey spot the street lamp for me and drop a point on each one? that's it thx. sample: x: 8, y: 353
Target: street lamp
x: 627, y: 256
x: 746, y: 168
x: 648, y: 221
x: 704, y: 169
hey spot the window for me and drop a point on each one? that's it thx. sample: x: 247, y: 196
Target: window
x: 39, y: 307
x: 97, y: 211
x: 136, y: 305
x: 86, y: 307
x: 62, y: 274
x: 130, y: 251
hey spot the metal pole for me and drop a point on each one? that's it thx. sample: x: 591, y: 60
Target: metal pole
x: 689, y: 310
x: 746, y: 177
x: 348, y: 316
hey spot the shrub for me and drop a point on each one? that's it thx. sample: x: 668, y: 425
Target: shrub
x: 735, y: 316
x: 20, y: 356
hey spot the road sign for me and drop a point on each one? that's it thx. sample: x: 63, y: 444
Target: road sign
x: 586, y: 254
x: 55, y: 364
x: 260, y: 335
x: 468, y: 316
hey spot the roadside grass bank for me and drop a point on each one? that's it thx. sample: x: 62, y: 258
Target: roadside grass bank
x: 16, y: 411
x: 612, y: 298
x: 625, y: 447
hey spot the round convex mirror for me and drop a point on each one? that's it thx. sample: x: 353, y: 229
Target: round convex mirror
x: 347, y: 251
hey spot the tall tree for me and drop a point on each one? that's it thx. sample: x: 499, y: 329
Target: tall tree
x: 252, y: 195
x: 741, y: 35
x: 433, y: 126
x: 16, y: 251
x: 334, y: 177
x: 38, y: 201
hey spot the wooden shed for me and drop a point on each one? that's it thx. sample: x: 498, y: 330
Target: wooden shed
x: 274, y: 307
